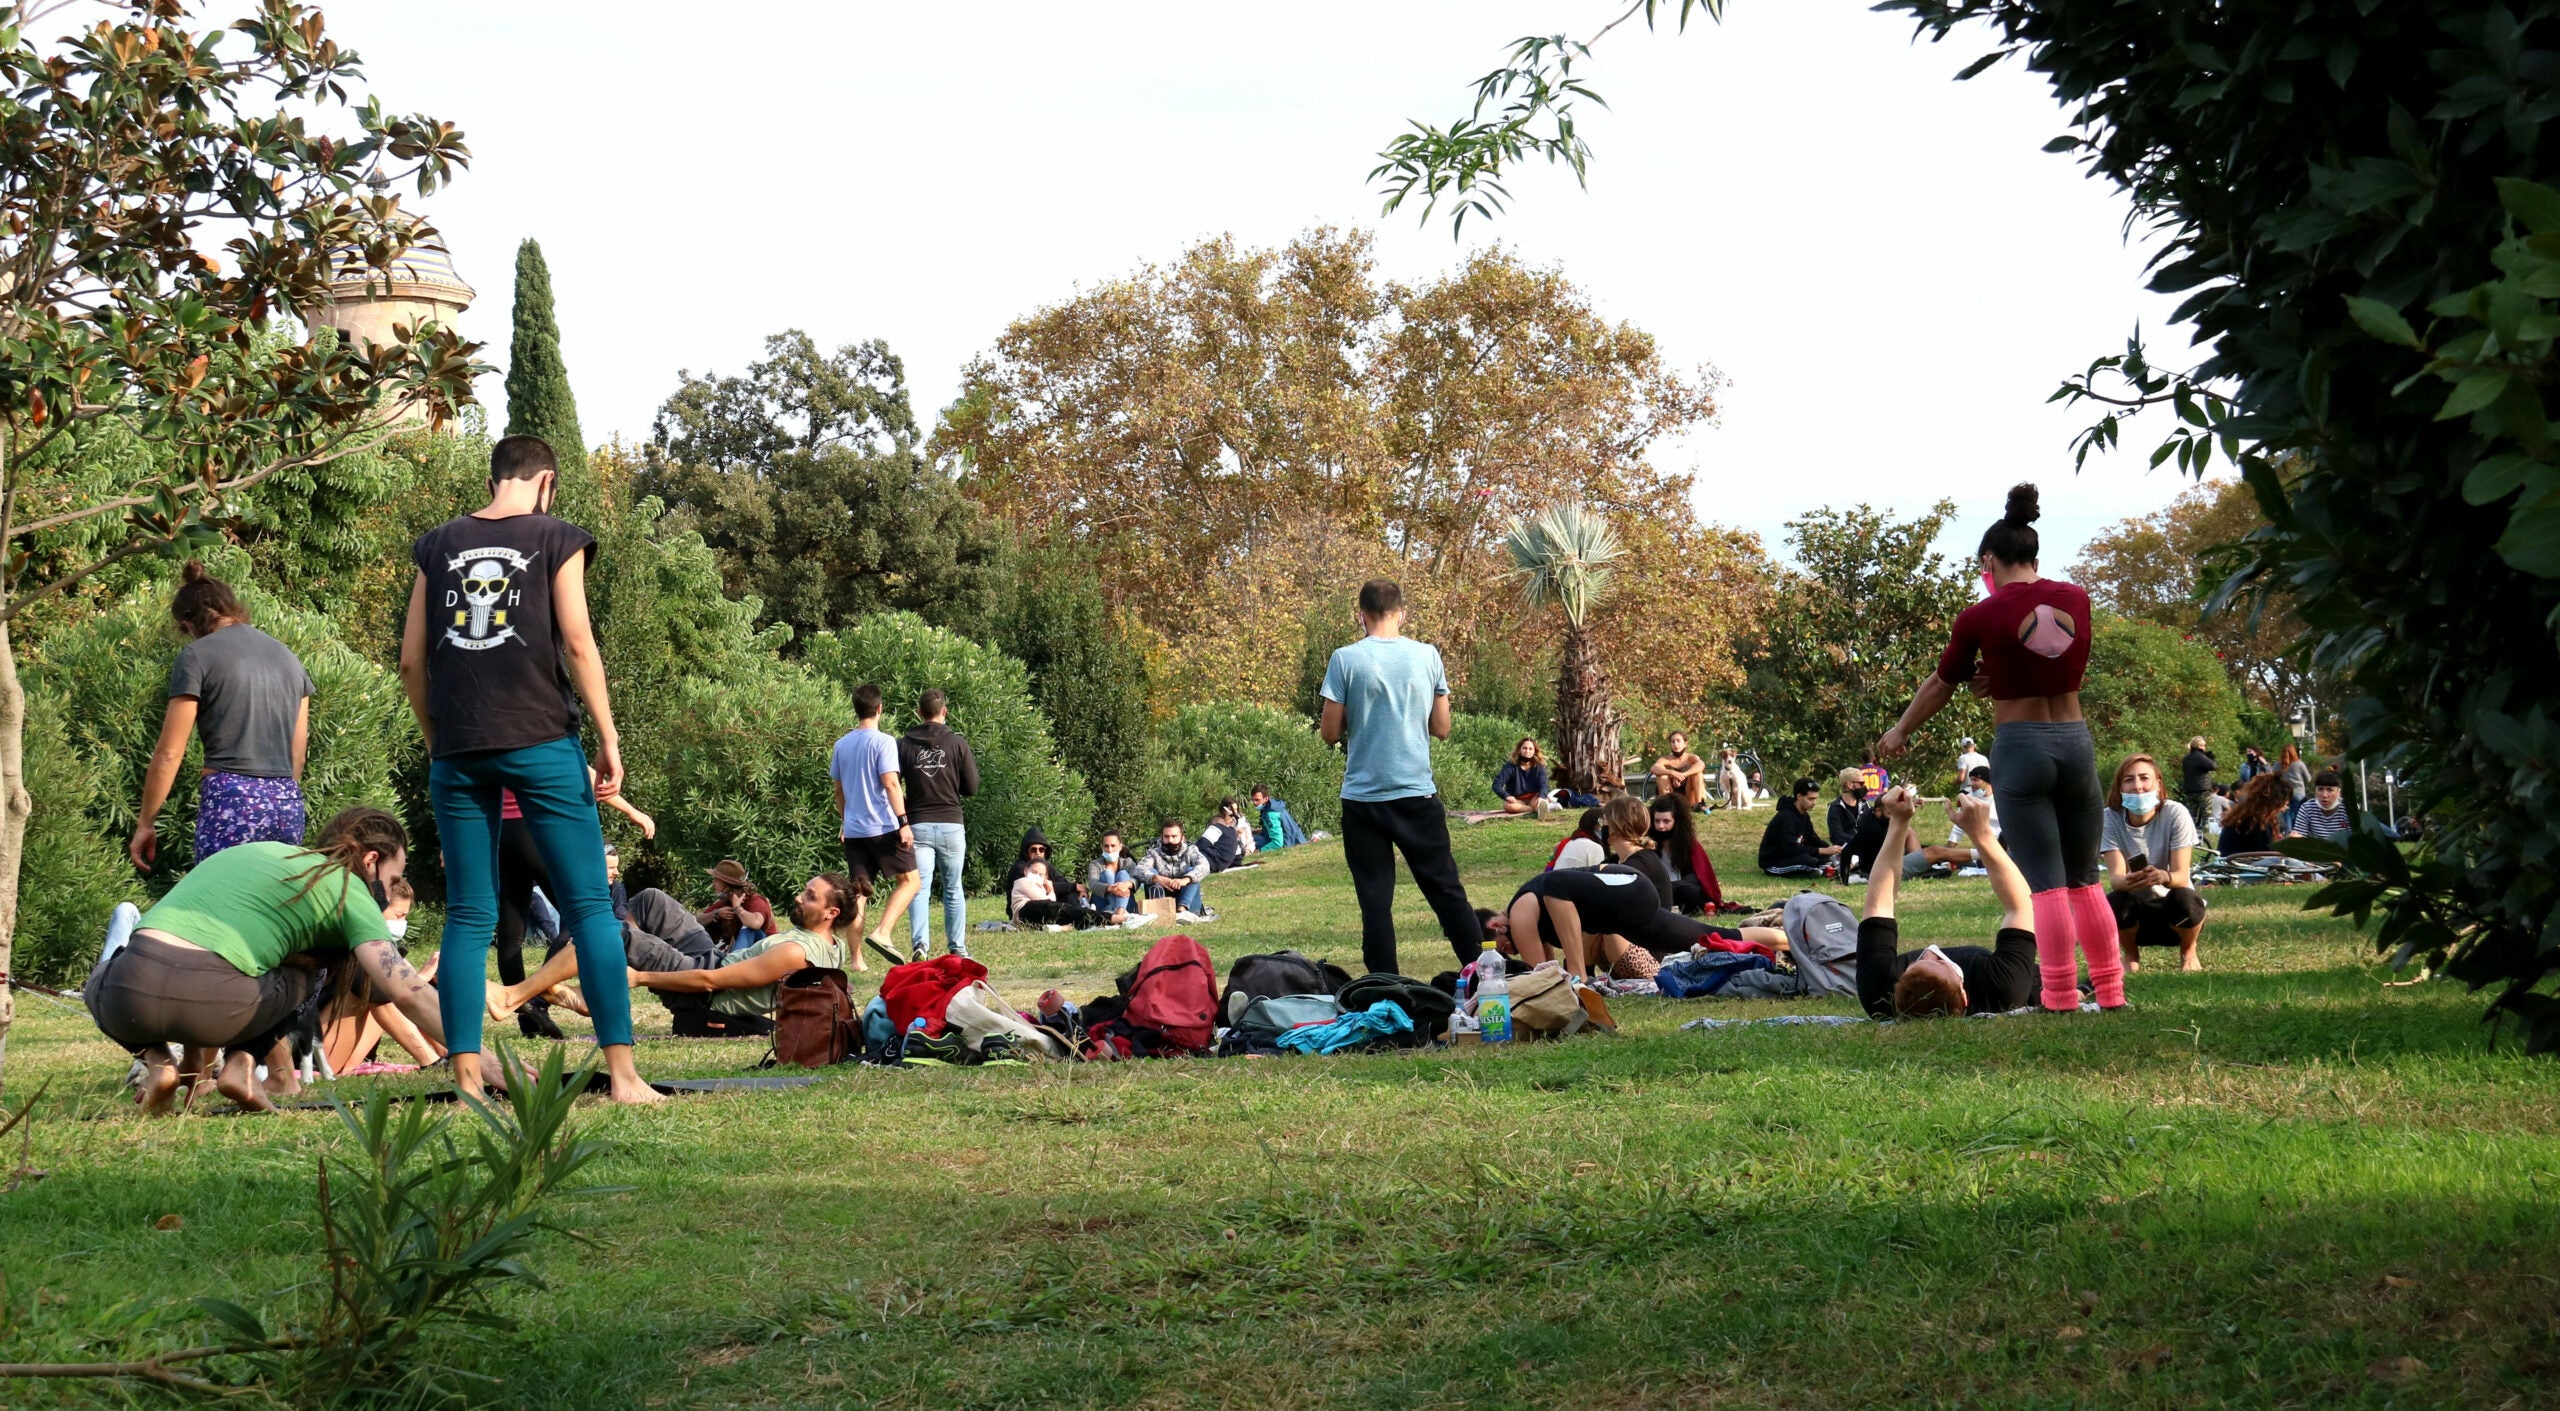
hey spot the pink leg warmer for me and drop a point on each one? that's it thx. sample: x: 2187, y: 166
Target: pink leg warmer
x: 2096, y: 924
x: 2055, y: 961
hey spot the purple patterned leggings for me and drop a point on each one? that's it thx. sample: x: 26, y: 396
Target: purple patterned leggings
x: 232, y: 809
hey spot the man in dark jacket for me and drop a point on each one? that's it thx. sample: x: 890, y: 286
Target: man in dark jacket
x: 2195, y: 778
x: 939, y: 771
x: 1790, y: 847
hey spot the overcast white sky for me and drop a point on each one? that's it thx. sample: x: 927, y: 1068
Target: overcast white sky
x: 1889, y: 272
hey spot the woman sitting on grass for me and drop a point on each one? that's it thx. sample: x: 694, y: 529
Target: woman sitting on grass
x: 2256, y: 818
x: 1521, y: 783
x: 1609, y: 914
x: 235, y: 948
x: 1946, y: 979
x: 1693, y: 877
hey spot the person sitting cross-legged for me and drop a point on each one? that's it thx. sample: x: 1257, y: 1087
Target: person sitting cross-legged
x: 1789, y: 847
x: 1945, y: 979
x: 1521, y: 783
x: 1111, y: 882
x: 1174, y: 868
x: 736, y: 996
x: 2148, y: 844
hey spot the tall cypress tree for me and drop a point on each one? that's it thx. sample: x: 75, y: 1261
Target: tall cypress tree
x: 539, y: 402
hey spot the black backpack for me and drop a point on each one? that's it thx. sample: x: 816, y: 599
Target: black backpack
x: 1429, y: 1008
x: 1285, y: 972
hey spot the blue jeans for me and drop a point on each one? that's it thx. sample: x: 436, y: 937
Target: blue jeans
x: 1104, y: 901
x: 942, y: 850
x: 550, y: 784
x: 1188, y: 898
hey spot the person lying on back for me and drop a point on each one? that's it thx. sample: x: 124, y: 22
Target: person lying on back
x: 1946, y: 979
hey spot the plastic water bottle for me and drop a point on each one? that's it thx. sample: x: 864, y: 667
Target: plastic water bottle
x: 1493, y: 996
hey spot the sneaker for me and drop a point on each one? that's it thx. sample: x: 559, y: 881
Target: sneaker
x: 915, y: 955
x: 944, y: 1050
x: 535, y: 1023
x: 1187, y: 916
x: 1001, y: 1050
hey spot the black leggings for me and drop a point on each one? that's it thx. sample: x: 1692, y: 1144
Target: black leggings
x: 2046, y: 775
x: 152, y: 992
x: 1058, y: 913
x: 520, y: 870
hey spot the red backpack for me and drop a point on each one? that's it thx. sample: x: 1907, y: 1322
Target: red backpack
x: 1176, y: 994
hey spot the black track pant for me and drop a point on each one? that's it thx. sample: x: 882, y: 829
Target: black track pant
x: 1372, y: 835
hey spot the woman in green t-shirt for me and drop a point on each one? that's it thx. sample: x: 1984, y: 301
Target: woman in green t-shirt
x: 236, y: 947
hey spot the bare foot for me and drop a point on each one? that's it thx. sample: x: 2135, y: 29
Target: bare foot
x: 2131, y: 965
x: 2189, y: 962
x: 568, y: 998
x: 158, y: 1095
x: 238, y: 1081
x: 635, y: 1092
x: 501, y: 1002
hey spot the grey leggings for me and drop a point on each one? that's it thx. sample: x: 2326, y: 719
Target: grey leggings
x: 2046, y: 775
x: 152, y: 992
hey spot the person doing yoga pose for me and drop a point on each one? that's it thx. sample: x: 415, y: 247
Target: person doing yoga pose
x: 232, y: 952
x: 2028, y: 645
x: 1946, y: 979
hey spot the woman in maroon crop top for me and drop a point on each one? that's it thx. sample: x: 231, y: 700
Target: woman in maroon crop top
x: 2026, y: 646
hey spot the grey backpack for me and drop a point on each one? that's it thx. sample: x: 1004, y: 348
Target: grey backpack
x: 1822, y: 933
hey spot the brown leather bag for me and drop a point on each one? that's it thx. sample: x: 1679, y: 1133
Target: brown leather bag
x: 814, y: 1023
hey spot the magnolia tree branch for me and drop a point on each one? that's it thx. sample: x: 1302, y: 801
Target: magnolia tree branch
x: 371, y: 438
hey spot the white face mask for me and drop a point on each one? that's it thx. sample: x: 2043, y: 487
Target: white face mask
x: 398, y: 926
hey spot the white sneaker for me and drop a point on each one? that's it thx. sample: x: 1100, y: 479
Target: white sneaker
x: 1188, y: 917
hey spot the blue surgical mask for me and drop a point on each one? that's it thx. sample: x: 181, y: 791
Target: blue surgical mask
x: 2141, y: 803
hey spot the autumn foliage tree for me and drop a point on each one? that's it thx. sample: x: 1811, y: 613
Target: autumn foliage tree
x: 1238, y: 437
x: 2164, y: 569
x: 168, y: 193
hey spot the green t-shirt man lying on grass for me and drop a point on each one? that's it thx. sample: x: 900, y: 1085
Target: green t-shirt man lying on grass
x: 745, y: 985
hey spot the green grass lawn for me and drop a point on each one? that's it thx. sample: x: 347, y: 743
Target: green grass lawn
x: 2276, y: 1183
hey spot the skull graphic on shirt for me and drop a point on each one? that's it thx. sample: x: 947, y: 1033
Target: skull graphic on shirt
x: 480, y: 600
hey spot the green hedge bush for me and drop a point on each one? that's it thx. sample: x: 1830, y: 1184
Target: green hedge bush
x: 737, y: 767
x: 1021, y: 781
x: 2149, y: 690
x: 1464, y: 764
x: 1207, y: 752
x: 70, y: 876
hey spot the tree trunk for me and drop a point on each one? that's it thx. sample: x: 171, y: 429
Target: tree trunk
x: 14, y: 807
x: 1587, y: 755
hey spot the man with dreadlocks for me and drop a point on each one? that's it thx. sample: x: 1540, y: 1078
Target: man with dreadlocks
x: 236, y: 947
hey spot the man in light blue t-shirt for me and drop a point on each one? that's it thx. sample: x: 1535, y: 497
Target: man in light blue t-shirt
x: 872, y: 796
x: 1386, y: 697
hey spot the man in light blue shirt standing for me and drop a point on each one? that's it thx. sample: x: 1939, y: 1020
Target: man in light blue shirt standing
x: 872, y: 797
x: 1386, y: 698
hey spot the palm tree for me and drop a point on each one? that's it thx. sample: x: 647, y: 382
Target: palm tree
x: 1563, y: 557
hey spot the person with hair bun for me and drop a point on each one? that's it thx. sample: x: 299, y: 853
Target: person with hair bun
x: 2026, y: 645
x: 235, y: 949
x: 247, y: 696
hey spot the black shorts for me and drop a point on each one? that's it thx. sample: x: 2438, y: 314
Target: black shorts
x: 2155, y: 921
x: 866, y: 859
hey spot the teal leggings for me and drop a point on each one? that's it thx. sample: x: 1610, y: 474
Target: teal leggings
x: 550, y: 783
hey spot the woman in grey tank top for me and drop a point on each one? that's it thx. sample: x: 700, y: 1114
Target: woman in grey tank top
x: 246, y: 695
